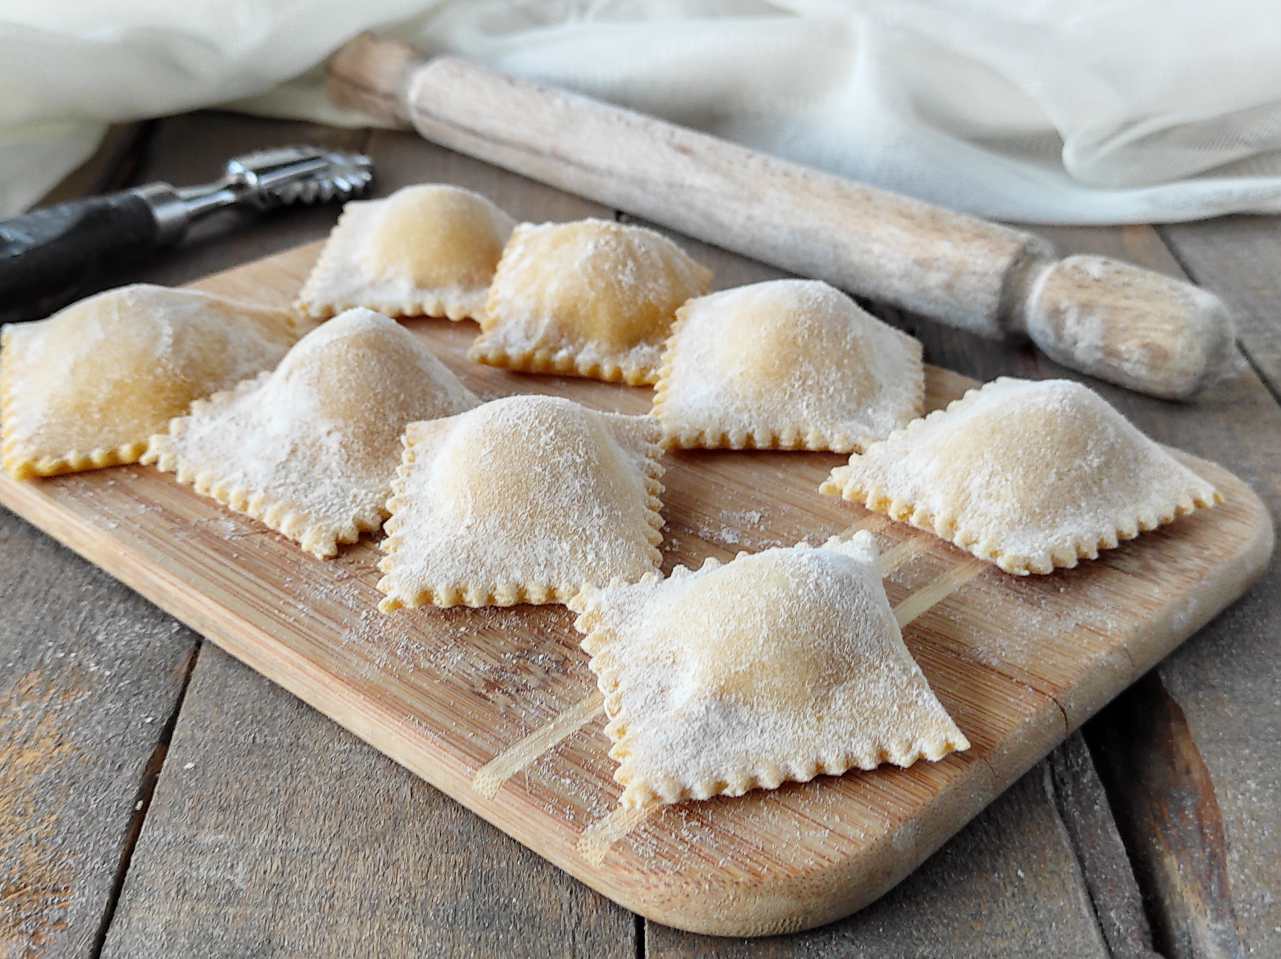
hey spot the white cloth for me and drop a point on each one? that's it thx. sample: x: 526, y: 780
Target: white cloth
x: 1099, y: 111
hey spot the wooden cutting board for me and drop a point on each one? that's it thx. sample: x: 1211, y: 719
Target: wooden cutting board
x: 497, y: 708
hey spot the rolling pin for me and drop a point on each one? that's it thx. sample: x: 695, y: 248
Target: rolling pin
x: 1100, y: 316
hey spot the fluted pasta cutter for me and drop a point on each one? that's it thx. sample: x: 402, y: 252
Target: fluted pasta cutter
x: 50, y: 256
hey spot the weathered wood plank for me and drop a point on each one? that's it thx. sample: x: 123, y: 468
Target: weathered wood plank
x: 1083, y: 807
x: 91, y: 675
x: 1239, y: 257
x: 273, y: 832
x: 1225, y: 679
x: 1147, y: 754
x: 1007, y: 885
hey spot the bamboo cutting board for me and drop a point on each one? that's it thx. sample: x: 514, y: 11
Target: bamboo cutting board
x: 497, y: 708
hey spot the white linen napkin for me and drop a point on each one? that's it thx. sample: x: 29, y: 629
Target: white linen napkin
x: 1100, y: 111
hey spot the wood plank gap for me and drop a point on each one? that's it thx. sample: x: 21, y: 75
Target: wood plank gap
x: 1273, y: 388
x: 1247, y: 354
x: 1046, y: 776
x: 113, y: 166
x: 1081, y: 802
x: 1235, y: 257
x: 1167, y: 813
x: 491, y: 776
x: 125, y: 172
x: 142, y: 805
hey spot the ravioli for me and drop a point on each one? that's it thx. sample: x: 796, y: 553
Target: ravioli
x: 311, y: 448
x: 86, y: 387
x: 790, y: 364
x: 778, y: 666
x: 426, y: 250
x: 522, y: 500
x: 1027, y: 475
x: 591, y: 298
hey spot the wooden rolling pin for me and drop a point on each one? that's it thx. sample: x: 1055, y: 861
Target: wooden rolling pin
x: 1112, y: 320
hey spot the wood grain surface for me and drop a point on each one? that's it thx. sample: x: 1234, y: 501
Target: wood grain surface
x: 1030, y: 875
x: 91, y: 677
x: 997, y: 872
x: 1019, y: 663
x: 417, y: 888
x: 1239, y: 257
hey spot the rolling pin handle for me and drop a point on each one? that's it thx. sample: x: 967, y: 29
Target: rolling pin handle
x: 1127, y: 325
x: 371, y: 75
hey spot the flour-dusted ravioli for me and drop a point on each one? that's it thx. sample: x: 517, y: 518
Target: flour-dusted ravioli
x: 791, y: 364
x: 778, y: 666
x: 426, y: 250
x: 311, y: 448
x: 1028, y: 475
x: 522, y: 500
x: 86, y: 387
x: 590, y: 298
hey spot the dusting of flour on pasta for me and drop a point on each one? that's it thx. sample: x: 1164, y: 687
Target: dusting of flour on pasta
x: 105, y: 373
x: 593, y: 297
x: 321, y: 432
x: 777, y: 666
x: 785, y: 363
x: 1030, y: 475
x: 523, y: 499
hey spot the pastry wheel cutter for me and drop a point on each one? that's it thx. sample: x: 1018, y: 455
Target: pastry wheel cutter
x: 49, y: 257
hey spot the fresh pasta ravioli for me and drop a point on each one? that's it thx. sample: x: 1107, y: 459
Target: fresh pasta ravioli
x: 426, y: 250
x: 790, y: 364
x: 311, y: 448
x: 590, y: 298
x: 777, y: 666
x: 86, y: 387
x: 522, y: 500
x: 1027, y: 475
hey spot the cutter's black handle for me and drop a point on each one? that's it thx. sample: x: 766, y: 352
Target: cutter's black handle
x: 49, y: 257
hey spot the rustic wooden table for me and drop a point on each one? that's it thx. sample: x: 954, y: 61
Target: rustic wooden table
x: 159, y: 799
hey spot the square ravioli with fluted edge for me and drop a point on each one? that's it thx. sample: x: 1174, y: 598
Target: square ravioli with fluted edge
x: 785, y: 364
x: 525, y: 499
x: 777, y: 666
x: 1028, y: 475
x: 590, y: 298
x: 426, y: 250
x: 86, y: 387
x: 310, y: 448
